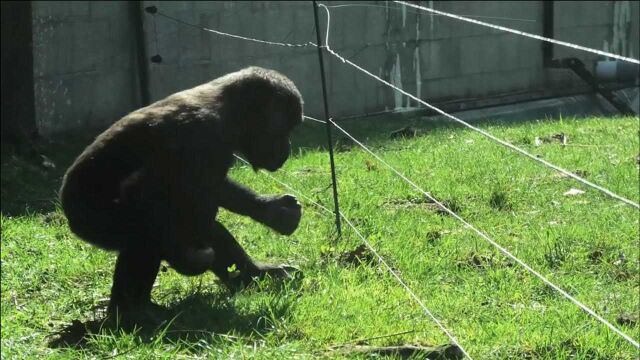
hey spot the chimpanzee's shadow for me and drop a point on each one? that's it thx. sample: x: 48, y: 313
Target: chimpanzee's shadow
x: 192, y: 319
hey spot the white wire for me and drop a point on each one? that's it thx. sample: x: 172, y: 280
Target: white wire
x: 518, y: 32
x: 233, y: 35
x: 468, y: 225
x: 407, y: 288
x: 314, y: 119
x: 484, y: 133
x: 380, y: 258
x: 491, y: 241
x: 458, y: 217
x: 417, y: 12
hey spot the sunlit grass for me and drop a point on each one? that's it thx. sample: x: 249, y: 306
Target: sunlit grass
x: 587, y: 244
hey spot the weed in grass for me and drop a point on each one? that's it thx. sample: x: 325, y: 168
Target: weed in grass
x: 499, y: 201
x: 424, y: 203
x: 404, y: 133
x: 555, y: 254
x: 627, y: 319
x: 452, y: 205
x: 609, y: 261
x: 432, y: 237
x: 621, y: 269
x: 409, y: 201
x: 359, y: 256
x: 525, y: 140
x: 483, y: 261
x: 596, y: 256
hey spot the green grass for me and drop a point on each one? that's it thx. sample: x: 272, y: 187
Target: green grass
x: 587, y: 244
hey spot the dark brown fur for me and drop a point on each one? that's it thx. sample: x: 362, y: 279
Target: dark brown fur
x: 150, y: 186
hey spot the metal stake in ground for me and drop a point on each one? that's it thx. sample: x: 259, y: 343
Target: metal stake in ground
x: 328, y: 123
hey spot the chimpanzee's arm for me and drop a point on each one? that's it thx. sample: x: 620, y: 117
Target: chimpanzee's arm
x: 241, y: 200
x: 281, y: 213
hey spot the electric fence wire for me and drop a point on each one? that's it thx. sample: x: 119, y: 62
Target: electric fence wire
x: 393, y: 272
x: 482, y: 132
x: 364, y: 240
x: 502, y: 142
x: 474, y: 128
x: 492, y: 242
x: 458, y: 217
x: 522, y: 33
x: 386, y: 7
x: 232, y: 35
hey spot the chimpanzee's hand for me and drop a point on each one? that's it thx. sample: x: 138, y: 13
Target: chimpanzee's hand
x: 283, y: 214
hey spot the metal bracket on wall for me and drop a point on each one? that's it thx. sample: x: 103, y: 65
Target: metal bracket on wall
x: 579, y: 68
x: 575, y: 64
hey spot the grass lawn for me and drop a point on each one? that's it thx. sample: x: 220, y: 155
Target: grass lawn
x: 588, y: 244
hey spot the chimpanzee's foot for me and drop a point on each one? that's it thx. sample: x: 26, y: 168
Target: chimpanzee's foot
x: 282, y: 271
x: 237, y: 279
x: 116, y: 307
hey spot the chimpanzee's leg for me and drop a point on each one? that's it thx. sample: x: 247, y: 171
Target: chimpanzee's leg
x: 136, y: 270
x: 229, y: 253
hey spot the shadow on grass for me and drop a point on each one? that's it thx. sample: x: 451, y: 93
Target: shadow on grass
x: 199, y: 318
x: 31, y: 179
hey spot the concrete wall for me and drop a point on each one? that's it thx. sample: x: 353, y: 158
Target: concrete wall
x: 191, y: 56
x: 85, y: 65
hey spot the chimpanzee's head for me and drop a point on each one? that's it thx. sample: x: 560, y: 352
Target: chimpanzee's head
x: 266, y: 107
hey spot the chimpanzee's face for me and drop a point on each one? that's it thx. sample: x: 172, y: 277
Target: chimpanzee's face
x: 267, y: 145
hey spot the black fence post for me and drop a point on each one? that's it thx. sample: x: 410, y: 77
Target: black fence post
x: 141, y: 51
x: 328, y: 122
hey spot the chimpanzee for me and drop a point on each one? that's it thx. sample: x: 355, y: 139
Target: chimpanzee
x: 149, y: 187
